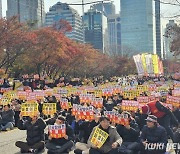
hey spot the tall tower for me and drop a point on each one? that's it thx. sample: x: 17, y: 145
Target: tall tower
x: 107, y: 8
x: 63, y: 11
x: 137, y: 26
x: 96, y: 30
x: 158, y: 27
x: 29, y: 11
x: 114, y: 34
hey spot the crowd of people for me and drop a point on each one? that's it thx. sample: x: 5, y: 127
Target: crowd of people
x: 152, y: 124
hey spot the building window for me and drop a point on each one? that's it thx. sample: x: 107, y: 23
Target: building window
x: 118, y: 26
x: 118, y: 19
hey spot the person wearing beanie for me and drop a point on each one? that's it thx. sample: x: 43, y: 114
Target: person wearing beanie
x: 163, y: 114
x: 153, y: 135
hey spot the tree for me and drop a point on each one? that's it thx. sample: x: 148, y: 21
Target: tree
x: 175, y: 44
x: 15, y: 39
x: 63, y: 26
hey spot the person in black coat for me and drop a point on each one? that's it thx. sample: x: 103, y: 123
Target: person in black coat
x: 109, y: 105
x: 7, y: 121
x: 153, y: 138
x: 61, y: 145
x: 129, y: 134
x: 35, y: 134
x: 86, y: 127
x: 176, y: 112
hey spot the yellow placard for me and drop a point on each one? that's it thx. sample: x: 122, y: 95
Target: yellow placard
x: 10, y: 95
x: 29, y: 109
x: 49, y: 108
x: 155, y: 64
x: 99, y: 137
x: 5, y: 101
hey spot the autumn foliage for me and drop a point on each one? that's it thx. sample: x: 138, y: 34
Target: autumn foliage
x: 48, y: 51
x: 175, y: 44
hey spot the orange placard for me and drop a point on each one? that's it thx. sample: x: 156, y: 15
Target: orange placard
x: 57, y: 131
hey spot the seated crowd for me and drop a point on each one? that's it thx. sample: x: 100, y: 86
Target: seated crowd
x: 151, y: 127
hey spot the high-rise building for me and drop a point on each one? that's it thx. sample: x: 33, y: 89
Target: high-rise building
x: 114, y: 34
x: 168, y: 38
x: 0, y: 9
x: 137, y: 27
x: 158, y: 28
x: 96, y: 32
x: 30, y: 11
x: 106, y: 8
x: 64, y: 11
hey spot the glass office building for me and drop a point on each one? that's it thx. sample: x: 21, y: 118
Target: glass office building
x: 96, y: 32
x: 137, y: 26
x: 114, y: 33
x: 158, y: 27
x: 107, y: 8
x: 64, y: 11
x: 30, y: 11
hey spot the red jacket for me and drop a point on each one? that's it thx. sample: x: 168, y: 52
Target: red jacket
x: 154, y: 110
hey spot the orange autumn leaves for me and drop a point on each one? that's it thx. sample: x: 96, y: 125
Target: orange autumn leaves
x: 48, y: 50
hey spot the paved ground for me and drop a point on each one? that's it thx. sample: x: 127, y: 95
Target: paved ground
x: 8, y: 139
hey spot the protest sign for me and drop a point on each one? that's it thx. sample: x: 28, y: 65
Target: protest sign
x: 48, y: 92
x: 86, y: 98
x: 97, y: 102
x: 128, y: 105
x: 99, y: 137
x: 175, y: 101
x: 176, y: 92
x: 29, y: 109
x: 5, y: 101
x: 3, y: 90
x: 64, y: 103
x: 83, y: 112
x: 49, y: 108
x: 22, y: 95
x: 57, y: 131
x: 39, y: 94
x: 107, y: 92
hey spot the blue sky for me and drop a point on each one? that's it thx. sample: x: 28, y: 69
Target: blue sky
x: 166, y: 10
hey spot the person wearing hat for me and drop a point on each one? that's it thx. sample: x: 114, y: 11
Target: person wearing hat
x: 61, y: 145
x: 153, y: 138
x: 163, y: 114
x: 35, y: 134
